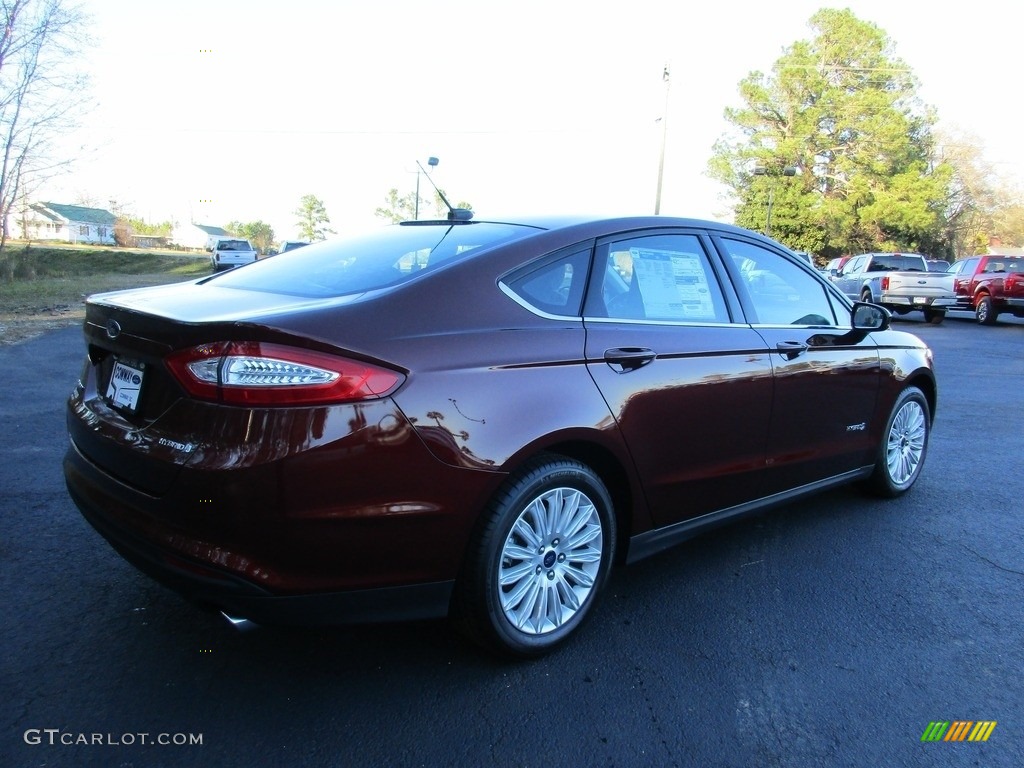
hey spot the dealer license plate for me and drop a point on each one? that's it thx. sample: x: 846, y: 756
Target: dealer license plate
x: 125, y: 385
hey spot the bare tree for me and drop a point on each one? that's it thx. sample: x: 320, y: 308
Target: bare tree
x: 41, y: 92
x: 979, y: 204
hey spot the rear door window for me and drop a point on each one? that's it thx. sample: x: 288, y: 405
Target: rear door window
x: 665, y: 278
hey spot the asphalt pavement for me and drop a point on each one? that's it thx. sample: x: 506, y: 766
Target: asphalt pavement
x: 832, y: 632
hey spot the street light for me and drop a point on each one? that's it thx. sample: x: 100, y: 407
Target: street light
x: 789, y: 170
x: 432, y: 162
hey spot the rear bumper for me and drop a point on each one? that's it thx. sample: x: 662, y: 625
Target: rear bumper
x: 914, y: 303
x: 201, y: 583
x: 318, y: 528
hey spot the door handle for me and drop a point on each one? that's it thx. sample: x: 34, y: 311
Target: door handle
x: 622, y: 359
x: 791, y: 349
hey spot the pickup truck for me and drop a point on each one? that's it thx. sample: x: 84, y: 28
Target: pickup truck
x: 989, y: 286
x: 228, y: 252
x: 900, y: 282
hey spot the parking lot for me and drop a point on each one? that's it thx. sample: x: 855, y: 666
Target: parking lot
x: 831, y: 632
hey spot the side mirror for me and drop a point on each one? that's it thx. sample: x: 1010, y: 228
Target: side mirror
x: 869, y: 317
x: 834, y: 272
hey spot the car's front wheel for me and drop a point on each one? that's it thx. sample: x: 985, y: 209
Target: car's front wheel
x: 540, y: 557
x: 904, y: 444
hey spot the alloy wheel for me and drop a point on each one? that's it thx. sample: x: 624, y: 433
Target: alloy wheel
x: 550, y: 561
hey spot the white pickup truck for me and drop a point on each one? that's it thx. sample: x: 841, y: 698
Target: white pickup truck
x: 900, y: 282
x: 228, y: 252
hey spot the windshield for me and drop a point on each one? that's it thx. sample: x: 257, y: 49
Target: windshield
x: 358, y: 264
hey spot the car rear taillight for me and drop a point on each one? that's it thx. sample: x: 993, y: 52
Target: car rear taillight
x: 258, y: 374
x: 885, y: 283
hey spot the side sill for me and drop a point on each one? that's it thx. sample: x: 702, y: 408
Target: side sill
x: 652, y: 542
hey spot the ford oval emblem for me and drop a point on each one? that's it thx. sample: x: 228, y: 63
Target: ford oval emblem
x: 113, y: 329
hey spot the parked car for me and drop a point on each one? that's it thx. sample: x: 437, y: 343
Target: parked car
x: 809, y: 257
x: 291, y: 245
x: 834, y: 266
x: 477, y: 418
x: 897, y: 281
x: 229, y: 252
x: 989, y: 286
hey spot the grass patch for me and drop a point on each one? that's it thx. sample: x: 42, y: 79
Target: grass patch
x: 33, y: 262
x: 42, y: 288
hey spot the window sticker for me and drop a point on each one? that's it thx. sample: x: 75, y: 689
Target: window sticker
x: 673, y: 284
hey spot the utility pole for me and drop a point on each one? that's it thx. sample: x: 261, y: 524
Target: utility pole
x: 664, y: 137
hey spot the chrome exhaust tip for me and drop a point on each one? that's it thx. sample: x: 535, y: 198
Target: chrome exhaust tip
x: 242, y: 625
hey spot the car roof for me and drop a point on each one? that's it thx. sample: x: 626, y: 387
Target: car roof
x: 551, y: 222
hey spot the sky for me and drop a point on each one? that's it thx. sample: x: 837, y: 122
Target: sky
x: 221, y: 110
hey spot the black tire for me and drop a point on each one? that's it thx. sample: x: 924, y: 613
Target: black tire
x: 985, y: 311
x: 934, y: 316
x: 904, y: 445
x: 551, y: 583
x: 865, y: 296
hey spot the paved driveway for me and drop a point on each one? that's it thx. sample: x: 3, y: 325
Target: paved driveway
x: 830, y: 633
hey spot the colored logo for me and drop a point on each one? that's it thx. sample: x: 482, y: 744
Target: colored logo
x: 958, y: 730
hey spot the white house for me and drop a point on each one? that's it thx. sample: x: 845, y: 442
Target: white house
x: 196, y: 235
x: 66, y: 223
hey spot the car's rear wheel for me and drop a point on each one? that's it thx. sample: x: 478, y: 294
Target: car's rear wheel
x: 541, y: 556
x: 985, y: 311
x: 904, y: 444
x: 934, y: 316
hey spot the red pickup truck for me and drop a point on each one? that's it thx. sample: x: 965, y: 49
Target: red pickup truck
x: 989, y: 286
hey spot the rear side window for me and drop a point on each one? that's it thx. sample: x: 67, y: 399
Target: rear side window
x: 1004, y: 265
x: 381, y: 258
x: 555, y: 288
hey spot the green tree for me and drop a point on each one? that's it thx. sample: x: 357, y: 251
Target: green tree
x: 259, y: 233
x: 397, y: 208
x: 441, y: 210
x: 843, y: 109
x: 313, y: 219
x: 126, y: 227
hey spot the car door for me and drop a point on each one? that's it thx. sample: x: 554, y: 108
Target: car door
x: 846, y: 280
x: 963, y: 272
x: 826, y: 376
x: 689, y: 386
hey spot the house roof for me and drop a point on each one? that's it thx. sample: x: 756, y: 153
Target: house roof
x: 76, y: 213
x: 211, y: 230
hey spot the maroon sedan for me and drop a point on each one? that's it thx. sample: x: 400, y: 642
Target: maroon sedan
x: 477, y: 418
